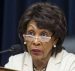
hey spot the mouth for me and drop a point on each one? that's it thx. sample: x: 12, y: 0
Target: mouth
x: 36, y: 51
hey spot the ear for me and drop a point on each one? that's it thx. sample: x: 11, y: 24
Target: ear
x: 24, y: 38
x: 23, y: 35
x: 55, y: 41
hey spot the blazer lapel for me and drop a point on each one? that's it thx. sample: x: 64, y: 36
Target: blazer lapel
x: 54, y: 62
x: 27, y: 66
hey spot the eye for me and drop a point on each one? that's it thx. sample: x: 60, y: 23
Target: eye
x: 30, y: 32
x: 44, y: 33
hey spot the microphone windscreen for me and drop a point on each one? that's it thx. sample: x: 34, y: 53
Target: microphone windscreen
x: 16, y: 49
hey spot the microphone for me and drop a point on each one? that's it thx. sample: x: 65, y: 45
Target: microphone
x: 14, y: 49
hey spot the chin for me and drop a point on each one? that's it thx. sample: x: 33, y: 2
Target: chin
x: 37, y: 57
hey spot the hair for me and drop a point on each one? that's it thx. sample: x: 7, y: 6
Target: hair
x: 47, y: 16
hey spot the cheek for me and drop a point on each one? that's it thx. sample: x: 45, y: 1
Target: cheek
x: 47, y: 48
x: 28, y: 46
x: 47, y: 45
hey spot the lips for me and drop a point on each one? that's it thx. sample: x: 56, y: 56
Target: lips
x: 36, y: 51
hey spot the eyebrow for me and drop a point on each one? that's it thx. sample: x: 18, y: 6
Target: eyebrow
x: 33, y: 26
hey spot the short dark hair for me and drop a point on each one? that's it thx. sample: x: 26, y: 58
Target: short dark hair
x: 47, y: 16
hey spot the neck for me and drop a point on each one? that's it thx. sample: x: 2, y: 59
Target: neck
x: 41, y: 64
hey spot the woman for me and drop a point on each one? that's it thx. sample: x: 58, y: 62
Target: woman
x: 42, y: 28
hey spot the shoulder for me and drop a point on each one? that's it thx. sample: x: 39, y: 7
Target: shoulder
x: 16, y: 61
x: 63, y: 61
x: 67, y: 55
x: 68, y: 61
x: 18, y: 56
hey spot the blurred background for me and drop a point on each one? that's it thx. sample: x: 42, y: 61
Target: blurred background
x: 10, y: 13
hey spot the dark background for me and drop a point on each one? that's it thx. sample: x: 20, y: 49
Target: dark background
x: 10, y: 12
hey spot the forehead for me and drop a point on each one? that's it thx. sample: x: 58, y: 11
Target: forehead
x: 33, y: 26
x: 39, y: 25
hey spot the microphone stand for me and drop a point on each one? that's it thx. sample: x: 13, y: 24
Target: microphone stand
x: 9, y: 50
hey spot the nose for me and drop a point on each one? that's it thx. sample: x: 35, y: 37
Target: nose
x: 36, y: 41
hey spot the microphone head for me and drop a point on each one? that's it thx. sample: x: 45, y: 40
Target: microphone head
x: 16, y: 49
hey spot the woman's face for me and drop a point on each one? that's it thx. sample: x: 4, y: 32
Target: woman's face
x: 39, y: 41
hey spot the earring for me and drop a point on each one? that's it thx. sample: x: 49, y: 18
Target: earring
x: 24, y: 42
x: 54, y: 46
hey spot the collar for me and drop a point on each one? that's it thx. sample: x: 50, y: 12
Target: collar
x: 28, y: 65
x: 58, y: 58
x: 27, y: 62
